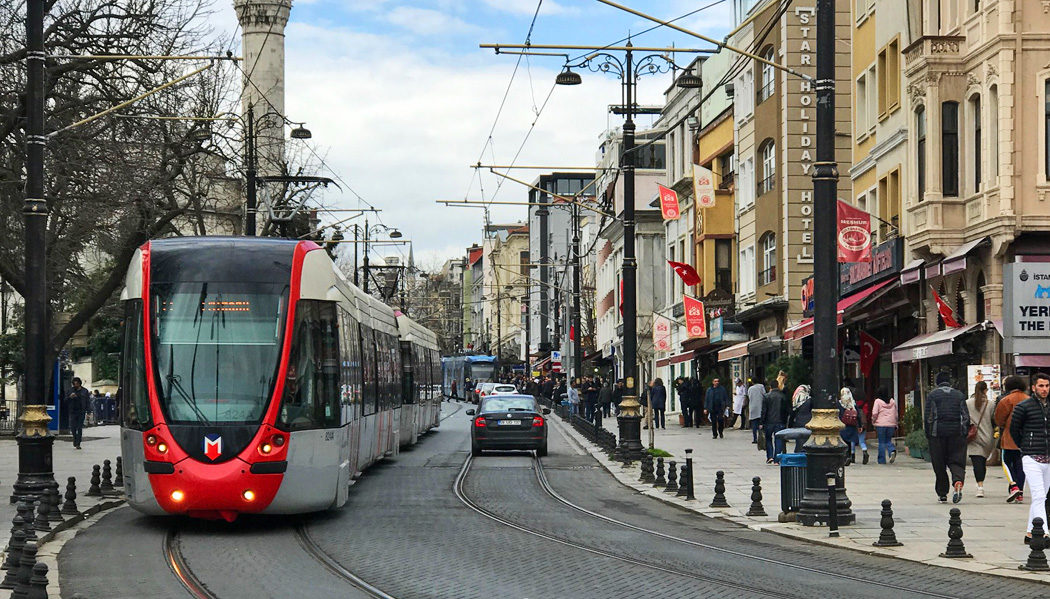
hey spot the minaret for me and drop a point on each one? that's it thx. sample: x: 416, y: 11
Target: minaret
x: 262, y: 46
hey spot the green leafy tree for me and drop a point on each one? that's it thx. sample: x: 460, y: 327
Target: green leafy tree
x: 799, y: 370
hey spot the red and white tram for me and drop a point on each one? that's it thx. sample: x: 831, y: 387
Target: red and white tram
x: 257, y: 379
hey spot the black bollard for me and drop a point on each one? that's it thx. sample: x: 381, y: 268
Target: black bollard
x: 38, y: 582
x: 887, y: 538
x: 14, y: 558
x: 683, y: 482
x: 69, y: 507
x: 689, y: 495
x: 833, y: 506
x: 720, y: 491
x: 756, y: 508
x: 94, y: 490
x: 955, y: 532
x: 43, y: 507
x: 55, y: 499
x: 16, y: 526
x: 1036, y: 558
x: 25, y: 569
x: 29, y: 518
x: 660, y: 480
x: 647, y: 468
x: 118, y: 479
x: 107, y: 478
x: 672, y: 477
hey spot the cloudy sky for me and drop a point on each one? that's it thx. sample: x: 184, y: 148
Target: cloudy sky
x: 401, y: 100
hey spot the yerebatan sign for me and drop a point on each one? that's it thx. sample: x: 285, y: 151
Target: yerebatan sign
x: 1026, y: 307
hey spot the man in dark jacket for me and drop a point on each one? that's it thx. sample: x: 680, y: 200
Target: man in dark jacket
x: 589, y: 390
x: 681, y: 386
x: 617, y: 395
x: 775, y: 410
x: 605, y: 398
x: 947, y: 422
x: 79, y: 403
x: 1030, y: 429
x: 716, y: 400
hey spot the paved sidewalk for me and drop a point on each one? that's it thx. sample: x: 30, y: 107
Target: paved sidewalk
x: 992, y: 529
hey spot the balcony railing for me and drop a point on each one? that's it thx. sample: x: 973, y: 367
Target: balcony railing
x: 766, y: 184
x: 767, y: 276
x: 727, y: 181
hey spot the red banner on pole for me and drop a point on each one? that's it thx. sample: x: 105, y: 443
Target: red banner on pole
x: 854, y: 233
x: 695, y: 325
x: 869, y: 351
x: 669, y: 203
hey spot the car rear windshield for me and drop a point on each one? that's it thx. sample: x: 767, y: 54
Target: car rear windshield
x: 509, y: 404
x: 504, y: 388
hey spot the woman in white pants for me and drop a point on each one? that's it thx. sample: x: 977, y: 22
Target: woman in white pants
x: 1030, y: 428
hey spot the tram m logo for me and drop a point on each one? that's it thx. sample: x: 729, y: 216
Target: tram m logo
x: 212, y: 446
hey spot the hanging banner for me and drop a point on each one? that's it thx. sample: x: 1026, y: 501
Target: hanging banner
x: 686, y: 272
x: 854, y: 233
x: 703, y: 187
x: 869, y: 352
x: 695, y: 324
x: 947, y: 315
x: 661, y: 333
x: 668, y: 203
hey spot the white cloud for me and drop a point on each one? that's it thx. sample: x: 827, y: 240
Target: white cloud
x: 424, y: 21
x: 528, y: 7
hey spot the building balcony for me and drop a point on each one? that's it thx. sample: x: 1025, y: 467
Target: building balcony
x: 933, y: 49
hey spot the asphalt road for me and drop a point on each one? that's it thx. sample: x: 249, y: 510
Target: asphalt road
x: 406, y: 532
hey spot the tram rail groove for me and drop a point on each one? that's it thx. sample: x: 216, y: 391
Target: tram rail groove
x: 457, y: 489
x: 314, y: 550
x: 182, y: 571
x: 541, y: 476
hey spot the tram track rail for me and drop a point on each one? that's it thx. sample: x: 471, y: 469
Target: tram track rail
x: 182, y: 571
x: 545, y: 484
x: 461, y: 494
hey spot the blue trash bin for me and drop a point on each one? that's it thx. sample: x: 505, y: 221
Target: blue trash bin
x: 792, y: 481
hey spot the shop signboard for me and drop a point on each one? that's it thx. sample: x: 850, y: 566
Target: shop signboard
x: 989, y: 373
x: 887, y: 260
x: 1026, y: 306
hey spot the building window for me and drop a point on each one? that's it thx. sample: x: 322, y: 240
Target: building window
x: 745, y: 192
x: 888, y: 75
x: 920, y: 149
x: 744, y: 98
x: 724, y: 264
x: 861, y: 102
x: 768, y: 76
x: 950, y: 148
x: 993, y: 143
x: 1046, y: 128
x: 889, y: 203
x: 747, y: 270
x: 769, y: 167
x: 727, y: 170
x: 976, y: 117
x: 769, y: 259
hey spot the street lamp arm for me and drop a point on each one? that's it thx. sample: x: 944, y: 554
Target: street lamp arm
x: 709, y: 40
x: 569, y: 199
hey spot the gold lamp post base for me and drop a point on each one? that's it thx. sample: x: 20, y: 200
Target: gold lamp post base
x: 825, y: 454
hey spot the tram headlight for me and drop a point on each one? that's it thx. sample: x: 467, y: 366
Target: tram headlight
x: 278, y: 440
x: 248, y: 495
x: 151, y: 440
x: 177, y: 496
x: 162, y: 447
x: 265, y: 448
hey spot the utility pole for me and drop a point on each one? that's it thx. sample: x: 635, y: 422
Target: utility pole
x: 251, y: 165
x: 825, y: 450
x: 577, y: 355
x: 35, y: 444
x: 365, y: 256
x: 356, y: 281
x: 543, y: 213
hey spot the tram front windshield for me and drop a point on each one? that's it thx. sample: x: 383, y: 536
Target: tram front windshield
x: 482, y: 371
x: 216, y: 347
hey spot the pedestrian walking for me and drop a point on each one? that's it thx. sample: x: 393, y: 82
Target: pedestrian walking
x: 884, y: 418
x: 756, y: 394
x: 590, y: 397
x: 979, y: 439
x: 605, y: 399
x: 801, y: 412
x: 692, y: 391
x: 1030, y: 427
x: 775, y: 409
x: 851, y: 418
x: 716, y: 400
x: 947, y: 422
x: 96, y: 407
x: 681, y: 386
x: 618, y: 392
x: 658, y: 402
x: 739, y: 399
x: 863, y: 418
x: 79, y: 403
x: 1014, y: 386
x: 573, y: 397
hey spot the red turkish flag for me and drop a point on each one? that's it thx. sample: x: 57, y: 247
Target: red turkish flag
x: 572, y: 333
x: 695, y: 324
x: 854, y: 233
x: 869, y: 351
x: 621, y: 296
x: 688, y: 273
x: 945, y: 310
x: 669, y: 203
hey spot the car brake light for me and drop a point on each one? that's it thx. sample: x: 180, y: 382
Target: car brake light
x: 537, y: 421
x: 479, y: 421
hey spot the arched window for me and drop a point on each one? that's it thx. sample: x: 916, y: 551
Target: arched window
x: 950, y: 149
x: 768, y: 76
x: 769, y: 166
x: 993, y: 137
x: 768, y: 274
x: 920, y: 150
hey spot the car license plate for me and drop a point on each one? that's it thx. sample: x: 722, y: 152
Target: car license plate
x: 508, y: 422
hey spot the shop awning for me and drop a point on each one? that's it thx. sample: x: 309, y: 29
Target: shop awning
x: 1032, y: 360
x: 928, y: 345
x: 675, y: 359
x: 542, y: 363
x: 912, y: 271
x: 805, y: 328
x: 956, y: 261
x: 733, y: 351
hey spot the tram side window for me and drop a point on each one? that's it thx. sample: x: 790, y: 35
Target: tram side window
x: 368, y: 369
x: 311, y: 389
x: 408, y: 381
x: 134, y: 397
x: 391, y: 356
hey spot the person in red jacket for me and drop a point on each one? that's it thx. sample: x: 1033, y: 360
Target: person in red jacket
x: 1011, y: 454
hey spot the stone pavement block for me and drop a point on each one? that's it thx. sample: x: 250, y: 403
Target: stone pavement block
x: 992, y: 529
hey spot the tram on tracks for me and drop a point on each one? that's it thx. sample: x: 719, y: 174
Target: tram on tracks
x: 257, y: 379
x: 476, y: 368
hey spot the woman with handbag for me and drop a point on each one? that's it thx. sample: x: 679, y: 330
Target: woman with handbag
x: 850, y: 417
x: 979, y: 437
